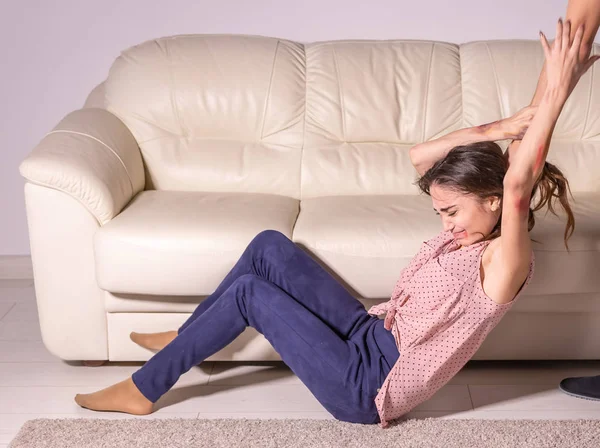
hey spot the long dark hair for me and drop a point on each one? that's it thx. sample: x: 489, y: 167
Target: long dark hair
x: 479, y: 169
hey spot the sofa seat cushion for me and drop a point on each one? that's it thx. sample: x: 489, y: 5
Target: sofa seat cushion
x: 184, y: 243
x: 368, y: 240
x: 558, y: 271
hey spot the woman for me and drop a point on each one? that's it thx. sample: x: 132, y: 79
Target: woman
x: 446, y: 301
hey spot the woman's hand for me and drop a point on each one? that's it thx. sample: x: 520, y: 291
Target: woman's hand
x: 564, y: 67
x: 515, y: 127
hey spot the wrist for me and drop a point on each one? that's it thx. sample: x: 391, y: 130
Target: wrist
x: 555, y: 96
x: 496, y: 130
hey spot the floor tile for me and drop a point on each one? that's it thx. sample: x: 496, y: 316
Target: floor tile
x: 523, y: 372
x: 246, y: 398
x: 15, y: 282
x: 5, y: 308
x: 182, y: 398
x: 17, y: 293
x: 22, y: 312
x: 451, y: 397
x: 25, y: 352
x: 74, y: 374
x: 20, y: 331
x: 526, y: 397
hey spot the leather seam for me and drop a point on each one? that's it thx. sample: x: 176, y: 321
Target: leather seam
x: 341, y: 93
x: 425, y: 100
x: 462, y: 88
x: 172, y: 90
x: 262, y: 130
x: 67, y: 131
x: 304, y: 126
x: 495, y: 79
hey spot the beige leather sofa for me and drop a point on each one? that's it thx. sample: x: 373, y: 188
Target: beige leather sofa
x: 139, y: 203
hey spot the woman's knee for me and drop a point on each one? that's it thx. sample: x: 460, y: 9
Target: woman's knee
x: 253, y: 284
x: 246, y: 279
x: 268, y: 239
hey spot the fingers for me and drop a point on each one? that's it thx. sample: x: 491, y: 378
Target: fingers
x: 559, y: 33
x: 545, y: 45
x: 577, y: 41
x: 566, y: 35
x: 562, y: 41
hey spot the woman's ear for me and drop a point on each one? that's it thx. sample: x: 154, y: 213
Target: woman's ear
x: 495, y: 203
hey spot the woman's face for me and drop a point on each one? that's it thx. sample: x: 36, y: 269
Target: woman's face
x: 465, y: 215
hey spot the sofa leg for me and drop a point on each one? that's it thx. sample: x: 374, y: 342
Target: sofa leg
x: 93, y: 363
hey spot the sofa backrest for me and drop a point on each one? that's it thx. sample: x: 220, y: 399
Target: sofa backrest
x: 258, y: 114
x: 214, y: 113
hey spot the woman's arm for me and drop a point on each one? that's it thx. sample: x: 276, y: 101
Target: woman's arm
x: 565, y: 68
x: 424, y: 155
x: 579, y: 12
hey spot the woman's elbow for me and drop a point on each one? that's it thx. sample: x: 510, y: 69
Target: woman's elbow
x: 414, y: 159
x: 517, y: 181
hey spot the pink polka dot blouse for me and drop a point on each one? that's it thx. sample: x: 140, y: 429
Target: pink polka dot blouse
x: 439, y: 316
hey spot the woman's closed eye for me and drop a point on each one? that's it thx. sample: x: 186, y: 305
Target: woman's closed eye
x: 449, y: 214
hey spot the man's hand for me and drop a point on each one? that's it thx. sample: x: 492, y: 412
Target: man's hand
x: 515, y: 127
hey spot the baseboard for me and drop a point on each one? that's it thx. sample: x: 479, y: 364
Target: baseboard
x: 15, y: 267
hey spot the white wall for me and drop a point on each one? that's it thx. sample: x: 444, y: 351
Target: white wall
x: 54, y: 52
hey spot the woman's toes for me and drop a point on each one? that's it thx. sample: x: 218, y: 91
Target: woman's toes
x: 120, y: 397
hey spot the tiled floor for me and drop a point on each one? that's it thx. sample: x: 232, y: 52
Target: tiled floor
x: 33, y: 383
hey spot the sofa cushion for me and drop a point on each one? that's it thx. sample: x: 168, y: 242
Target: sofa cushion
x: 557, y: 270
x: 214, y: 112
x: 183, y: 243
x: 366, y: 240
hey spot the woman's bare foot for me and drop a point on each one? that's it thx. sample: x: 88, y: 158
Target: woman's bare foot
x: 120, y: 397
x: 153, y: 341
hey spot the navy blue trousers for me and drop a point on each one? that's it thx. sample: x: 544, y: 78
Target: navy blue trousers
x: 326, y: 337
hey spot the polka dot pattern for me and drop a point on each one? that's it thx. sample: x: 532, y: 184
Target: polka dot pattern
x: 439, y: 315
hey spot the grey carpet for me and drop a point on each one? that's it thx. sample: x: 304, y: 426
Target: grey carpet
x: 414, y: 433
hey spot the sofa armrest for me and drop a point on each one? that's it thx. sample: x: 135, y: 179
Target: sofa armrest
x: 93, y: 157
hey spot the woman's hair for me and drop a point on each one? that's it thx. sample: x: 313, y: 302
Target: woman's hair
x: 479, y: 169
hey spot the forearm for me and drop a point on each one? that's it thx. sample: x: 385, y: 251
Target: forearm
x: 528, y: 163
x: 425, y: 154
